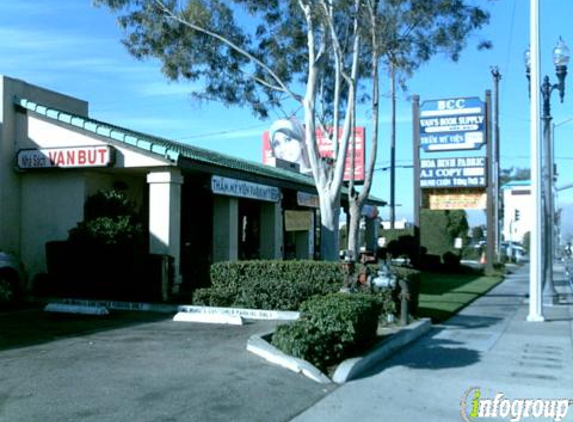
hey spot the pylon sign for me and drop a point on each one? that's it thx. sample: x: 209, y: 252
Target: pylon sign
x: 452, y: 124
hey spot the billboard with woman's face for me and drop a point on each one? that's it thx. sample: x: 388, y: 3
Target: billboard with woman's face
x: 285, y: 140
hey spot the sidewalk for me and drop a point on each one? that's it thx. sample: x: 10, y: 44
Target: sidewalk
x: 489, y: 345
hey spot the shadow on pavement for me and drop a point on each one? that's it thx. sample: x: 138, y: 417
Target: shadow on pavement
x: 472, y: 322
x: 31, y: 325
x: 430, y: 353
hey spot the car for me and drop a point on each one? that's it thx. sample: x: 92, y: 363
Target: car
x: 12, y: 278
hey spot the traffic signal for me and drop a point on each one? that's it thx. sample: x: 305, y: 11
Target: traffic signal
x: 516, y: 216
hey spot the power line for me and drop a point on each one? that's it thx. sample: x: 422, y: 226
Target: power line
x: 223, y: 132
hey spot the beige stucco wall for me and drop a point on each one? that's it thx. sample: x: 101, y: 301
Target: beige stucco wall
x: 10, y: 221
x: 42, y: 205
x: 51, y: 204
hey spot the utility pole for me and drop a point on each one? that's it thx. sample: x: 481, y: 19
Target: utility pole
x: 393, y: 148
x: 490, y: 190
x: 536, y: 263
x: 496, y: 167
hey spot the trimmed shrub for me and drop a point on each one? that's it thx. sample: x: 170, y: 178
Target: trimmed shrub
x: 331, y: 328
x: 112, y: 236
x: 269, y: 284
x: 285, y: 285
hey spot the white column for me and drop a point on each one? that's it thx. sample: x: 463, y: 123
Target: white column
x: 165, y: 216
x: 536, y: 267
x: 225, y: 228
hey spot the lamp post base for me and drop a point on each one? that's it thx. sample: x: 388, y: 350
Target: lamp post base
x: 550, y: 296
x: 535, y: 318
x: 550, y: 299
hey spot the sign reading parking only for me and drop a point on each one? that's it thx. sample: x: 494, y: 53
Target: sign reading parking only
x: 452, y: 124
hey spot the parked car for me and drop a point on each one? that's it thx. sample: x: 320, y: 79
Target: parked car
x: 12, y: 278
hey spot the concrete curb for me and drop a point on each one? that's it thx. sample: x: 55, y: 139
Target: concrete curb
x: 355, y: 367
x: 348, y: 369
x: 76, y: 309
x: 259, y: 345
x: 254, y: 314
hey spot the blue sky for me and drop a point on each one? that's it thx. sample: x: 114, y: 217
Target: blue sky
x: 71, y: 47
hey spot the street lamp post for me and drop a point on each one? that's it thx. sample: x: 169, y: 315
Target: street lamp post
x: 557, y: 240
x: 560, y: 59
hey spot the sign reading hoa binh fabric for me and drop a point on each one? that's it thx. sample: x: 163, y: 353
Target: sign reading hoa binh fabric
x: 461, y: 172
x: 240, y: 188
x: 69, y: 157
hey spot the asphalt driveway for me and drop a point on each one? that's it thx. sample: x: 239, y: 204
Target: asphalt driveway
x: 140, y: 367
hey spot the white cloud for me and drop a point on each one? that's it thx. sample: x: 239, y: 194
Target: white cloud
x: 160, y: 89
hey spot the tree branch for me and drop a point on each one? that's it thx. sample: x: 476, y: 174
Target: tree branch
x: 281, y: 85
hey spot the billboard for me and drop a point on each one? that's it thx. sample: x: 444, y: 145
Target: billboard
x: 285, y: 140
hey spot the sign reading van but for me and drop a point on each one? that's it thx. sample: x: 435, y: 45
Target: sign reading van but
x: 452, y: 124
x: 70, y: 157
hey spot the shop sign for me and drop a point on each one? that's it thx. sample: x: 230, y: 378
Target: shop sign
x: 469, y: 172
x: 467, y: 200
x: 307, y: 200
x: 72, y: 157
x: 297, y: 220
x: 452, y: 124
x: 240, y: 188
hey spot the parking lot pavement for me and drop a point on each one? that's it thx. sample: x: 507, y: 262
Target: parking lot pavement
x: 142, y: 367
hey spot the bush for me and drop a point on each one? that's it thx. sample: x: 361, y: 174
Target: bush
x: 107, y: 232
x: 112, y: 236
x: 331, y: 328
x: 285, y: 285
x: 269, y: 284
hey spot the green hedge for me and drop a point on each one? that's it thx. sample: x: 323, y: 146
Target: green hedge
x: 269, y: 284
x: 331, y: 328
x: 285, y: 285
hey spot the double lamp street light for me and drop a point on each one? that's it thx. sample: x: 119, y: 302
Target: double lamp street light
x: 560, y: 59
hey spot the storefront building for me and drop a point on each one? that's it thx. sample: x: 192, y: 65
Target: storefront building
x: 201, y: 206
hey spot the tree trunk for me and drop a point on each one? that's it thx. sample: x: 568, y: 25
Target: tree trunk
x: 354, y: 211
x: 329, y: 218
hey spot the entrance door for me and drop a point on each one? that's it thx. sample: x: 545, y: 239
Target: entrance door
x: 196, y: 234
x: 249, y: 229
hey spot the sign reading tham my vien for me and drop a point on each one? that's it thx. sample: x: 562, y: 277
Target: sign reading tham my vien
x: 452, y: 124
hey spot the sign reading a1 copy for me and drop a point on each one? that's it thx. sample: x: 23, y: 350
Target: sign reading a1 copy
x: 452, y: 124
x: 466, y: 172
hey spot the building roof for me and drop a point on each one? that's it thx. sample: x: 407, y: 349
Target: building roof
x: 168, y: 149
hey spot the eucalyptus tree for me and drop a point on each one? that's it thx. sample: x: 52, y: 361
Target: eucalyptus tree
x: 268, y: 54
x: 402, y: 36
